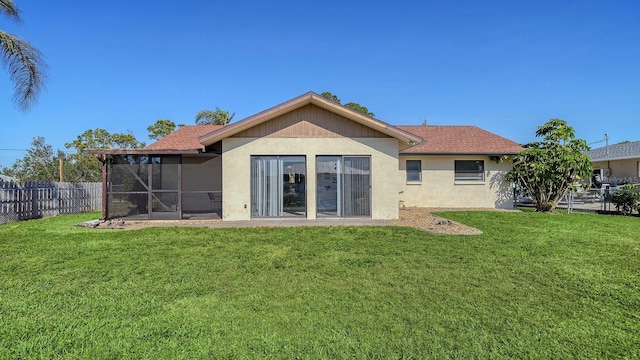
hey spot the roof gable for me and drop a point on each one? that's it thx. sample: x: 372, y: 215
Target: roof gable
x: 310, y: 121
x: 301, y: 101
x: 626, y: 150
x: 460, y: 140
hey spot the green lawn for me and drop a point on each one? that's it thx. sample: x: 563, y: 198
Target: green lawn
x: 532, y: 286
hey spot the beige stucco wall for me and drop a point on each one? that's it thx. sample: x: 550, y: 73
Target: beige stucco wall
x: 621, y: 171
x: 236, y: 177
x: 439, y: 189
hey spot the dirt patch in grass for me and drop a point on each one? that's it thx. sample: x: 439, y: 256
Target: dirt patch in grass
x: 419, y: 218
x: 423, y: 219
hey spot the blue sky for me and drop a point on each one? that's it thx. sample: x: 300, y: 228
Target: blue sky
x: 505, y: 66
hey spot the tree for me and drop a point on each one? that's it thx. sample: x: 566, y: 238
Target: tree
x: 160, y: 129
x: 351, y: 105
x: 83, y: 166
x: 331, y: 97
x: 40, y: 163
x: 102, y: 139
x: 359, y: 108
x: 24, y: 62
x: 547, y: 169
x: 217, y: 117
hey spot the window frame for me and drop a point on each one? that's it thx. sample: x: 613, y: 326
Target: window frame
x: 346, y: 207
x: 459, y: 173
x: 413, y: 171
x: 273, y: 182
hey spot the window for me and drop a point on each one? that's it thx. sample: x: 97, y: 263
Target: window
x: 414, y: 171
x: 469, y: 170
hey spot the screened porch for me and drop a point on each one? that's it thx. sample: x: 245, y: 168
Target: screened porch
x: 164, y: 187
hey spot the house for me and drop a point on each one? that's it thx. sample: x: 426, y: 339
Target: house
x: 460, y: 167
x: 6, y: 178
x: 616, y: 164
x: 307, y: 158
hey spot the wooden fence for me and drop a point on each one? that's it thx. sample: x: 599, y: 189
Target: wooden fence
x: 32, y: 200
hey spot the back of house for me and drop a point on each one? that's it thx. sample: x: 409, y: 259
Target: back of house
x: 307, y: 158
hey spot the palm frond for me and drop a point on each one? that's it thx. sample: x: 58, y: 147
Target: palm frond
x: 205, y: 117
x: 26, y: 68
x: 217, y: 117
x: 10, y: 10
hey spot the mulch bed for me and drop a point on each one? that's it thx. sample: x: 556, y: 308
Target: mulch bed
x: 419, y: 218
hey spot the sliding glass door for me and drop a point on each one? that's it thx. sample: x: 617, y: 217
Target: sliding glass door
x: 343, y: 186
x: 278, y: 186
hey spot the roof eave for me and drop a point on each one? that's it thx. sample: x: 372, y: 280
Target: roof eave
x: 617, y: 158
x: 503, y: 153
x: 143, y: 151
x: 315, y: 99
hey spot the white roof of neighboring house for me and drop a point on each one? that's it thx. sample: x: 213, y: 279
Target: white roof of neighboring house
x: 625, y: 150
x: 7, y: 178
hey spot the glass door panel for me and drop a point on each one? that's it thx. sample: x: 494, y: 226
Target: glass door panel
x: 329, y: 185
x: 293, y: 186
x: 264, y: 186
x: 357, y: 186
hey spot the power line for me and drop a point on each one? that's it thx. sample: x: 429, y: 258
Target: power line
x: 606, y: 138
x: 66, y: 152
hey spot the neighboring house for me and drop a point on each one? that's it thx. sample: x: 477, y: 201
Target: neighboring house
x: 616, y: 164
x: 7, y: 179
x: 307, y: 158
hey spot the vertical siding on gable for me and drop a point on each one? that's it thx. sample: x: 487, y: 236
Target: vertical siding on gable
x: 310, y: 121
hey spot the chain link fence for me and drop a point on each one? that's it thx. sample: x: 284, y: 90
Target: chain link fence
x: 584, y: 200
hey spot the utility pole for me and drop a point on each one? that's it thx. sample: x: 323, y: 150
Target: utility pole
x: 606, y: 139
x: 61, y: 168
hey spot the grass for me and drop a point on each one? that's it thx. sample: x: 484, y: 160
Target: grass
x: 532, y: 286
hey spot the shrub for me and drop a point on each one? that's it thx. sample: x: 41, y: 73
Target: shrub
x: 626, y: 199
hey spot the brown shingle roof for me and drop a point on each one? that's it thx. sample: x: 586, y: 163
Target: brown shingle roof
x: 185, y: 138
x: 439, y: 140
x: 459, y: 140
